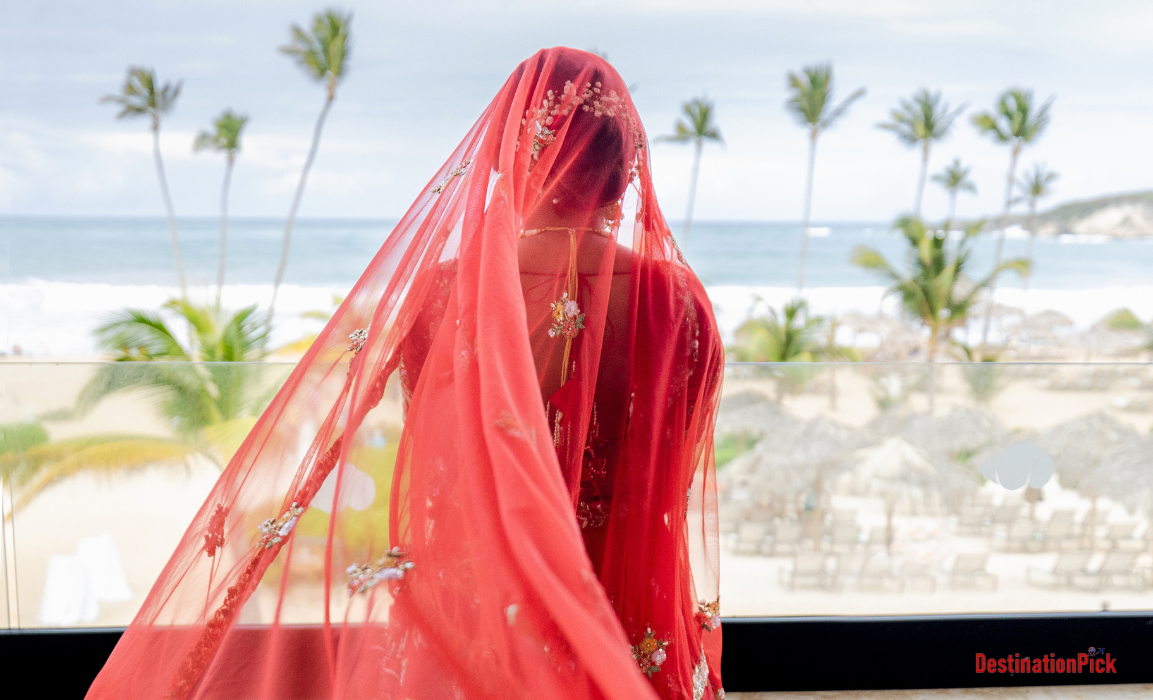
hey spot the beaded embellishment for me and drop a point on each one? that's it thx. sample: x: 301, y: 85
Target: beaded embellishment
x: 701, y: 678
x: 358, y: 338
x: 390, y: 567
x: 567, y: 319
x: 214, y: 537
x: 650, y: 653
x: 709, y: 614
x: 273, y: 530
x: 452, y: 176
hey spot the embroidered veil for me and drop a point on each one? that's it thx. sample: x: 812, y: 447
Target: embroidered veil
x: 544, y: 525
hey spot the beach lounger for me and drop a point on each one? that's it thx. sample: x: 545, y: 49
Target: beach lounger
x: 786, y: 537
x: 809, y: 569
x: 845, y: 536
x: 1117, y: 569
x: 878, y: 575
x: 918, y: 575
x: 1068, y: 563
x: 750, y: 537
x: 969, y: 571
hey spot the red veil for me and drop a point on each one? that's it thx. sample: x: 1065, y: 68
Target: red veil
x: 544, y: 526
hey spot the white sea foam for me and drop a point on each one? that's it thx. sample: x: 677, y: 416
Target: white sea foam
x: 57, y: 319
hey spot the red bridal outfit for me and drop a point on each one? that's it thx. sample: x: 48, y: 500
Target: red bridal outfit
x: 547, y: 527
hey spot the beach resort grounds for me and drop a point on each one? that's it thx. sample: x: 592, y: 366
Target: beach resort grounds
x: 1026, y: 488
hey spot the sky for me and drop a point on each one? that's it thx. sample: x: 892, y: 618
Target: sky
x: 421, y: 73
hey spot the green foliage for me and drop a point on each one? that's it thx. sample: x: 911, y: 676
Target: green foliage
x: 921, y: 120
x: 148, y: 356
x: 811, y: 97
x: 17, y: 437
x: 140, y: 95
x: 225, y: 134
x: 1122, y: 320
x: 955, y: 178
x: 732, y: 445
x: 937, y: 292
x: 1036, y: 184
x: 323, y: 50
x: 792, y: 336
x: 1015, y: 119
x: 697, y: 124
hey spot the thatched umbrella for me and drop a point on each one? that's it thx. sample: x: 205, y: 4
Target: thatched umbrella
x: 900, y: 474
x: 752, y: 413
x: 795, y: 461
x: 1079, y: 448
x: 962, y: 429
x: 1126, y: 474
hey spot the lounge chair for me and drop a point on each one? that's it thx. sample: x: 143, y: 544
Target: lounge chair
x: 750, y: 537
x: 969, y: 570
x: 787, y: 535
x: 974, y: 520
x: 848, y: 568
x: 1059, y: 533
x: 845, y: 536
x: 916, y: 574
x: 808, y: 569
x: 877, y: 575
x: 1068, y: 564
x: 1120, y: 535
x: 1118, y: 568
x: 1021, y: 536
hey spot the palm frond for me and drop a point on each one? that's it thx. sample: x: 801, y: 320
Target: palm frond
x: 323, y: 50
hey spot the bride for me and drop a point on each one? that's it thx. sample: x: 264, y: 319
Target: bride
x: 548, y: 526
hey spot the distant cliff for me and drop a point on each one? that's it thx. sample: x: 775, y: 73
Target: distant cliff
x: 1123, y: 215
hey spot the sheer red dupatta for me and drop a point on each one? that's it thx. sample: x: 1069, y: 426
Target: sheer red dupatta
x: 548, y: 522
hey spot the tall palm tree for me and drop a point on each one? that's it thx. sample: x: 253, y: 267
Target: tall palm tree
x: 142, y: 97
x: 937, y: 292
x: 696, y: 126
x: 811, y: 103
x: 224, y: 137
x: 210, y: 391
x: 1035, y: 185
x: 955, y: 178
x: 322, y: 53
x: 1015, y: 121
x: 919, y: 122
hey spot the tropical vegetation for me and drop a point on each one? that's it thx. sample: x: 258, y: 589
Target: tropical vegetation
x: 954, y: 179
x: 938, y: 291
x: 696, y: 126
x: 1035, y: 184
x: 210, y: 391
x: 921, y: 121
x: 322, y: 53
x: 224, y: 138
x: 1015, y: 121
x: 142, y: 96
x: 811, y: 102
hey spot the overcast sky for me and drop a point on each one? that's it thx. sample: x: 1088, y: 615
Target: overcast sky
x: 419, y: 77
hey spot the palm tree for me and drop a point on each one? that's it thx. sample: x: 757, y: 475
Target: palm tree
x: 1014, y: 121
x: 811, y: 103
x: 208, y: 390
x: 955, y: 178
x: 793, y: 336
x: 697, y: 126
x: 141, y: 97
x: 225, y: 137
x: 919, y: 122
x: 1033, y: 186
x: 322, y: 53
x: 937, y: 292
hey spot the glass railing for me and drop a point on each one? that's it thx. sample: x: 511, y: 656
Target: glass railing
x: 845, y: 489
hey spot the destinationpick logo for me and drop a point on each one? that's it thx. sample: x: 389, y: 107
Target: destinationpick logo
x: 1095, y: 661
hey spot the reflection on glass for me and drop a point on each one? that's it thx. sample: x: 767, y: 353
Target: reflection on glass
x: 1027, y: 488
x: 1024, y: 488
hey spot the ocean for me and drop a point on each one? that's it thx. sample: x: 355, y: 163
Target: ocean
x: 60, y: 277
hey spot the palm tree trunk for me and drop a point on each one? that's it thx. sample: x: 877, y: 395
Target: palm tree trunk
x: 921, y: 182
x: 933, y: 333
x: 223, y: 228
x: 693, y: 187
x: 808, y: 206
x: 168, y: 206
x: 952, y: 211
x: 296, y: 202
x: 1000, y: 242
x: 1032, y: 235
